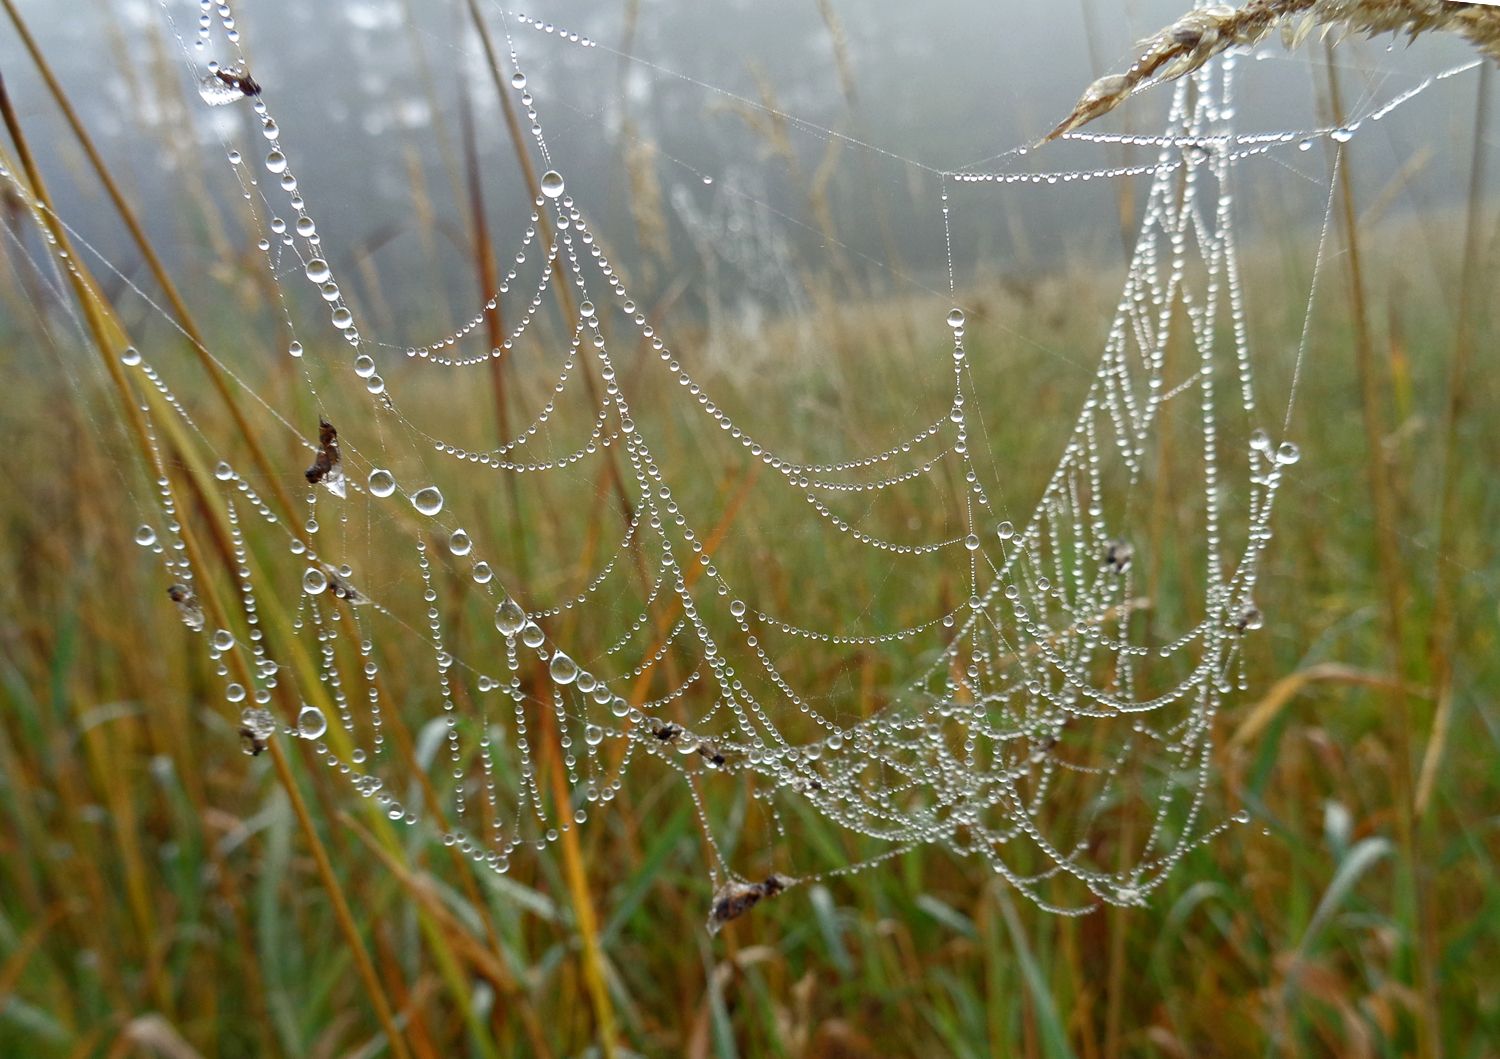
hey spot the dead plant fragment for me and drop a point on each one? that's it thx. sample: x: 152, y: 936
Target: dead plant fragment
x: 327, y: 460
x: 734, y: 899
x: 1200, y: 35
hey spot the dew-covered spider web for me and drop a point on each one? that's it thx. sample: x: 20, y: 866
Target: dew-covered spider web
x: 1038, y: 698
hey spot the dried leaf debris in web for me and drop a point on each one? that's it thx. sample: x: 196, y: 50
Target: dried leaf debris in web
x: 338, y: 584
x: 225, y: 85
x: 327, y: 468
x: 736, y: 898
x: 187, y: 605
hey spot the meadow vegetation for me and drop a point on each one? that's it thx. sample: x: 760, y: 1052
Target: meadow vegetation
x: 164, y: 893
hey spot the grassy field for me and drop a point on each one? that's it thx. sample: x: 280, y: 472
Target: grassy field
x: 163, y: 893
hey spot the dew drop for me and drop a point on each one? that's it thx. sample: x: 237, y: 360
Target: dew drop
x: 276, y: 161
x: 552, y: 183
x: 737, y: 608
x: 459, y: 543
x: 971, y: 542
x: 364, y: 365
x: 318, y: 270
x: 260, y: 722
x: 518, y: 80
x: 295, y: 349
x: 1005, y: 530
x: 235, y: 692
x: 1242, y: 817
x: 482, y: 573
x: 509, y: 617
x: 532, y: 635
x: 357, y: 756
x: 222, y: 640
x: 1260, y: 441
x: 593, y: 735
x: 382, y: 483
x: 342, y: 318
x: 586, y: 310
x: 563, y: 669
x: 223, y: 472
x: 395, y: 812
x: 145, y: 536
x: 956, y: 319
x: 311, y: 724
x: 314, y: 581
x: 131, y: 356
x: 1288, y: 453
x: 428, y: 501
x: 305, y: 226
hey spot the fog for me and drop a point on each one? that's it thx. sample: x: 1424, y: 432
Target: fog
x: 728, y: 119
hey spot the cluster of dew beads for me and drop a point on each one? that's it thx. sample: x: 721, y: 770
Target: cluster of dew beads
x: 1036, y: 694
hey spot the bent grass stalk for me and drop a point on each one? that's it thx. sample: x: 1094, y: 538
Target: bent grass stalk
x: 108, y: 338
x: 158, y: 270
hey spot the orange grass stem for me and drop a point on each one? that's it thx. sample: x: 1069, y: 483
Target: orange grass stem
x: 578, y: 886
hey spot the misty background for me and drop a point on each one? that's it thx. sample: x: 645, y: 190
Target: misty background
x: 693, y: 136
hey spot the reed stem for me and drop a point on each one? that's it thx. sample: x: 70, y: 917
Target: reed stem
x: 1392, y: 588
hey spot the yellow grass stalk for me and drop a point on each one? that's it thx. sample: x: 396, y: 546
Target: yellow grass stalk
x: 578, y: 886
x: 1287, y: 688
x: 109, y: 337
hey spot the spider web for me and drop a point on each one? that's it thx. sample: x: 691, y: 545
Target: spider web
x: 1042, y: 704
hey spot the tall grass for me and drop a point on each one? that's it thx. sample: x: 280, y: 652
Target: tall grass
x: 163, y: 893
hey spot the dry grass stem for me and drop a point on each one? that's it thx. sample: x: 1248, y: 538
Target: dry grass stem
x: 1198, y: 36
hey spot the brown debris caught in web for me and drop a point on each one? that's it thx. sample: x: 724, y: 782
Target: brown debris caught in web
x: 327, y: 468
x: 239, y: 80
x: 1200, y: 35
x: 338, y: 584
x: 187, y: 605
x: 734, y: 899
